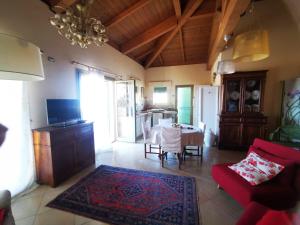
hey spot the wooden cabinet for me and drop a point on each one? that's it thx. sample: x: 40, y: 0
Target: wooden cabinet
x: 60, y: 152
x: 242, y: 118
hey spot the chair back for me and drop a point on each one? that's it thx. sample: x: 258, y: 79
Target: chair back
x: 165, y: 122
x: 202, y: 126
x: 146, y: 129
x: 171, y: 139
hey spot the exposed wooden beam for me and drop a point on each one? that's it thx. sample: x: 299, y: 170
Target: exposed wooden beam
x: 177, y: 7
x: 202, y: 16
x: 182, y: 46
x: 61, y: 5
x: 161, y: 60
x: 127, y: 12
x: 228, y: 22
x: 144, y: 54
x: 190, y: 9
x: 149, y: 35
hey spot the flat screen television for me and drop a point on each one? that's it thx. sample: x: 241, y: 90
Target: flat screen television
x: 63, y: 110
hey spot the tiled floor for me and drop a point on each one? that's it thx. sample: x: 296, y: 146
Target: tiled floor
x: 216, y: 206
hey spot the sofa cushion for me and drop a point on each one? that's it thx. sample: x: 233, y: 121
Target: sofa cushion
x: 252, y: 214
x: 2, y: 215
x: 286, y: 177
x: 274, y: 195
x: 256, y: 169
x: 274, y: 217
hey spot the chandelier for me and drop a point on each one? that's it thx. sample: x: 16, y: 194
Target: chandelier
x: 76, y: 25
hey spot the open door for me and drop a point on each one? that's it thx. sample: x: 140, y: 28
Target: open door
x: 125, y: 101
x: 184, y: 104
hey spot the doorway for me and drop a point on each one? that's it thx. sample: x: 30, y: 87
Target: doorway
x: 97, y: 99
x: 125, y: 110
x: 184, y: 104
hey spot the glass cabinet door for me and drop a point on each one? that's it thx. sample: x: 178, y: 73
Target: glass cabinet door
x: 252, y: 96
x: 233, y: 95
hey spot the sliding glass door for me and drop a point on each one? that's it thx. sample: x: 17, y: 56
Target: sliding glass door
x: 125, y: 99
x: 97, y: 105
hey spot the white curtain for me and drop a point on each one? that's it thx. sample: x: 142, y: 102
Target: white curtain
x: 94, y: 107
x: 17, y: 171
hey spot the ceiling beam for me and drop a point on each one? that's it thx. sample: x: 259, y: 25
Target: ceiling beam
x: 161, y: 60
x: 202, y: 16
x: 182, y: 46
x: 149, y: 35
x: 229, y: 20
x: 127, y: 12
x: 142, y: 55
x: 190, y: 9
x: 177, y: 8
x: 61, y: 5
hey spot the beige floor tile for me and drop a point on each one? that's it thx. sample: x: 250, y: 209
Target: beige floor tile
x: 80, y: 220
x: 26, y: 207
x: 95, y: 222
x: 55, y: 217
x: 26, y: 221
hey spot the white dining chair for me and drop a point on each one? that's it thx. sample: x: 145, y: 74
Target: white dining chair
x: 171, y: 142
x: 198, y: 148
x: 146, y: 130
x: 165, y: 122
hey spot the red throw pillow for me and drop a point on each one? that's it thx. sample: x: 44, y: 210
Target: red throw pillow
x: 2, y: 215
x: 286, y: 177
x: 273, y: 217
x: 256, y: 169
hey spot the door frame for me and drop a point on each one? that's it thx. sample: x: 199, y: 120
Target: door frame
x: 192, y: 99
x: 133, y: 110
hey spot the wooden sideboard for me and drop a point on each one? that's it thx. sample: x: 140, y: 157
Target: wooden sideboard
x: 242, y: 117
x: 60, y: 152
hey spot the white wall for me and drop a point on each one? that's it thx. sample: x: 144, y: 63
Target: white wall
x: 29, y: 19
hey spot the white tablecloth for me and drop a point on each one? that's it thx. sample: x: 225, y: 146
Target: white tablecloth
x: 193, y: 136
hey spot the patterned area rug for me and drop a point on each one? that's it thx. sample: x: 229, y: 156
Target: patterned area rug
x: 125, y: 196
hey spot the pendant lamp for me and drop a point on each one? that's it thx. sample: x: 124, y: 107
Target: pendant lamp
x: 252, y: 45
x: 19, y: 59
x: 225, y: 67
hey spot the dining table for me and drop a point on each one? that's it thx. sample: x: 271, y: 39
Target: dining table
x: 190, y: 135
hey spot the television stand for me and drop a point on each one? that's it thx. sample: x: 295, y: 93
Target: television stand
x: 60, y: 152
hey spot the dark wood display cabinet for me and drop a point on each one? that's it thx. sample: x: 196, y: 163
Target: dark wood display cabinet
x: 242, y: 118
x: 60, y: 152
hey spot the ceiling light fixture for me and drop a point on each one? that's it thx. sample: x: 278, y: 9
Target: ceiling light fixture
x: 226, y: 66
x: 252, y: 45
x: 76, y: 25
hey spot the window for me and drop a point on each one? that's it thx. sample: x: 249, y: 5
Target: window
x: 160, y: 96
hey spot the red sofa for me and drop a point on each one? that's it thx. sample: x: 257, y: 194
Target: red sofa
x: 279, y: 193
x: 258, y: 214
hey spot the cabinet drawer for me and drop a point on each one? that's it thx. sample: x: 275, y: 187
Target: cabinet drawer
x: 256, y: 120
x: 230, y: 120
x: 85, y: 130
x: 60, y: 136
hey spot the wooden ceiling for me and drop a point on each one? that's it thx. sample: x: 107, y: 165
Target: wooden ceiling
x: 164, y: 32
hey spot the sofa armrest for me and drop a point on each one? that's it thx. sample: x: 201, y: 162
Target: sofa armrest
x: 5, y: 199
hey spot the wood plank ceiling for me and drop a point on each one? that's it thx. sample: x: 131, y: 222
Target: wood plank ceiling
x: 156, y: 32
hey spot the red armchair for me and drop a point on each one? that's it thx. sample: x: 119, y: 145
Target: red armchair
x: 279, y: 193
